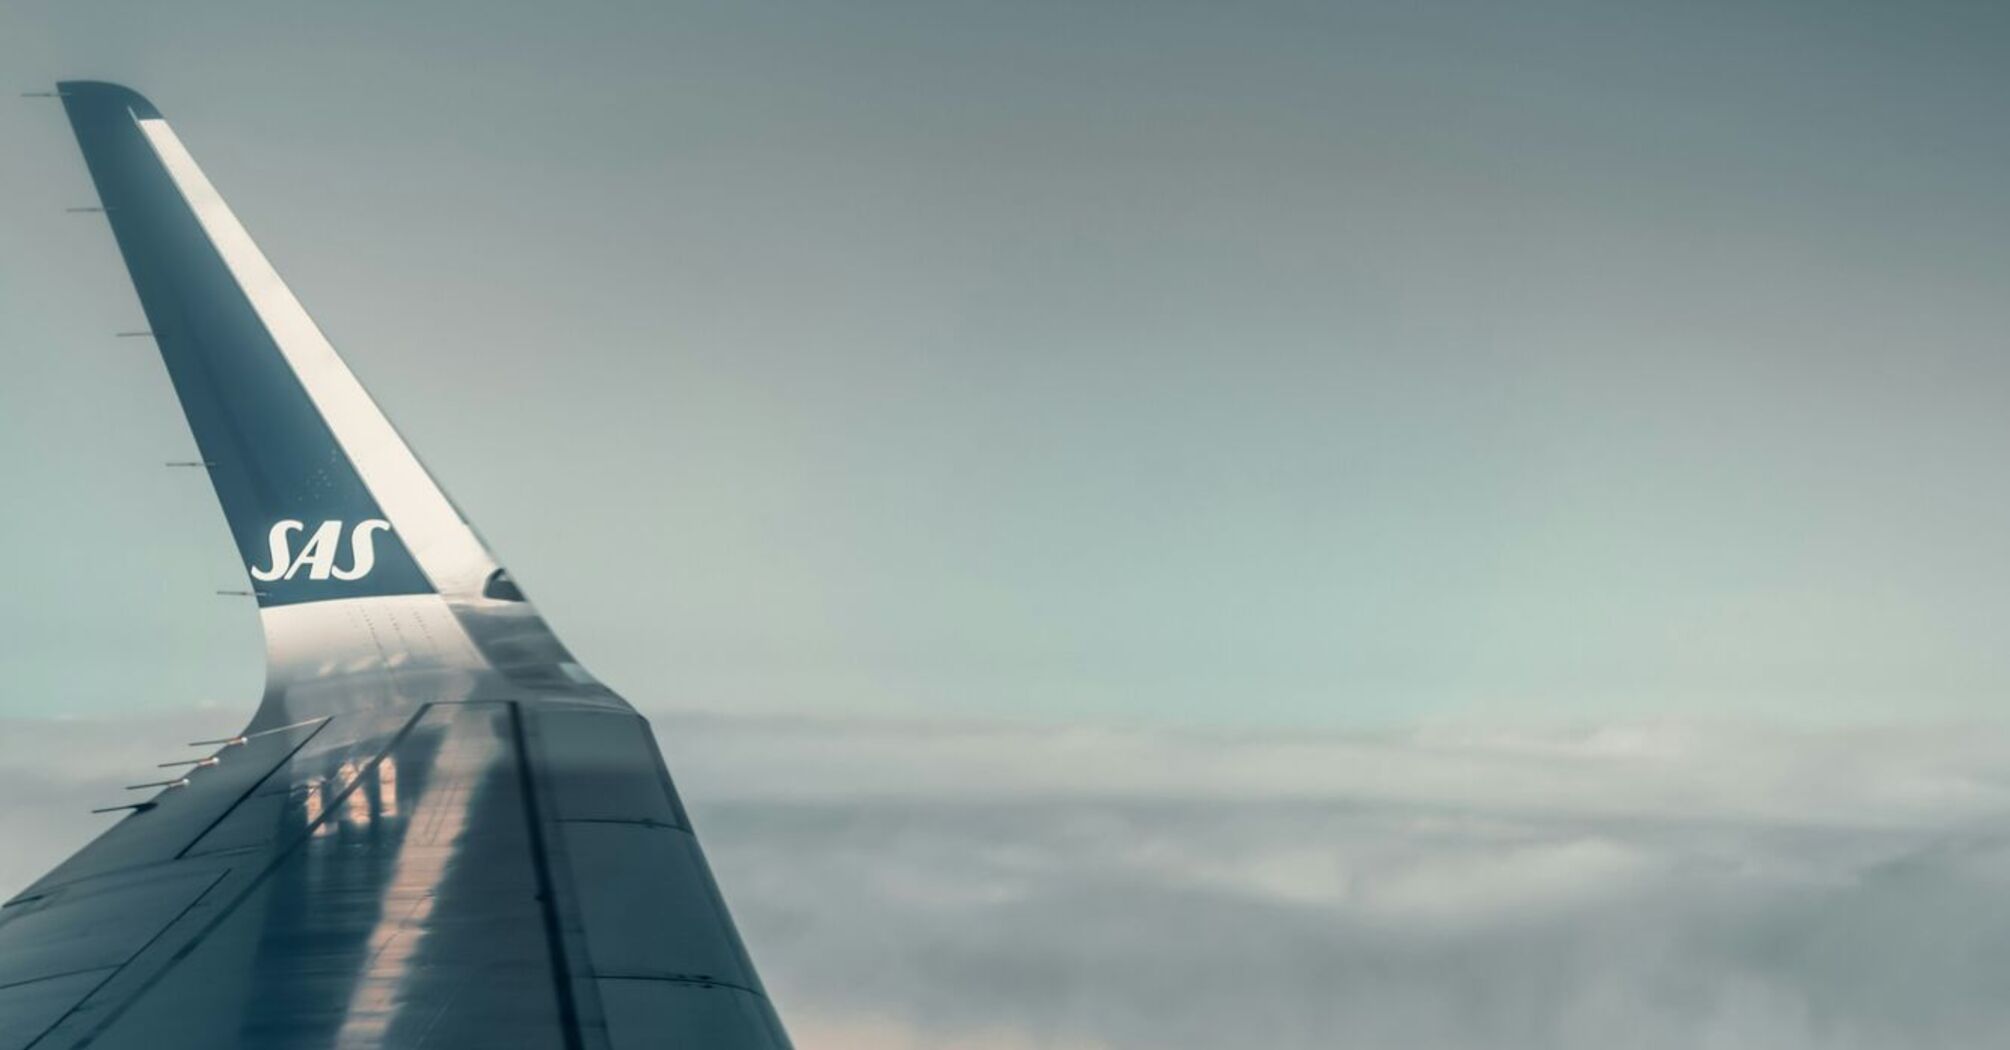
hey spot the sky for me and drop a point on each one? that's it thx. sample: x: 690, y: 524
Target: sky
x: 1327, y: 365
x: 1174, y: 525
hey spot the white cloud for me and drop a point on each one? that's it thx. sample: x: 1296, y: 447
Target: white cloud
x: 1003, y: 888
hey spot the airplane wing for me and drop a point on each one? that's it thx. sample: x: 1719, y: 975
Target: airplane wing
x: 437, y: 830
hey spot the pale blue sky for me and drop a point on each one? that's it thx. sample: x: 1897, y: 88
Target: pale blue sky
x: 1260, y: 363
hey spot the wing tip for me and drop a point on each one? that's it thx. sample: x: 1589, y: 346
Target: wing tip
x: 104, y: 92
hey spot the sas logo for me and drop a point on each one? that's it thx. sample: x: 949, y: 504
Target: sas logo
x: 318, y: 556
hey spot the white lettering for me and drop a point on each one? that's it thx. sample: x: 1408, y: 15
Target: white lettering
x: 282, y: 551
x: 362, y: 550
x: 319, y: 555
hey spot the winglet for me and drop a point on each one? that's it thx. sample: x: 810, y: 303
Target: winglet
x: 323, y: 496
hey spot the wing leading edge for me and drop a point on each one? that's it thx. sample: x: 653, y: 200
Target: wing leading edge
x: 437, y: 830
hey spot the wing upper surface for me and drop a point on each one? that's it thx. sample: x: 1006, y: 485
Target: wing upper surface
x: 437, y: 830
x: 466, y: 874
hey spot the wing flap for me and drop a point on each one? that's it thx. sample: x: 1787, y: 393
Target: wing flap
x: 648, y: 1015
x: 28, y: 1009
x: 645, y: 925
x: 101, y: 925
x: 658, y: 916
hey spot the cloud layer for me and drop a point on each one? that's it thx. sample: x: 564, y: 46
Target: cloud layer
x: 1007, y: 888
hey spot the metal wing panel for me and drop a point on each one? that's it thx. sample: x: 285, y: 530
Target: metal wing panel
x: 658, y: 960
x: 176, y: 817
x: 480, y: 873
x: 28, y: 1009
x: 96, y: 926
x: 650, y: 1015
x: 409, y: 914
